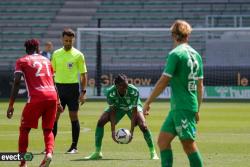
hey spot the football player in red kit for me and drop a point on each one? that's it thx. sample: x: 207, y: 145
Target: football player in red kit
x: 42, y: 98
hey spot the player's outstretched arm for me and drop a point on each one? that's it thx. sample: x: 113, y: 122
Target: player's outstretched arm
x: 83, y: 96
x: 133, y: 120
x: 133, y: 123
x: 158, y: 89
x: 112, y: 121
x: 199, y: 96
x: 59, y: 106
x: 13, y: 94
x: 200, y: 92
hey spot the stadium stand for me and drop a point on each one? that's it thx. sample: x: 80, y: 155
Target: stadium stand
x: 74, y: 14
x: 159, y: 13
x: 20, y: 20
x: 45, y: 19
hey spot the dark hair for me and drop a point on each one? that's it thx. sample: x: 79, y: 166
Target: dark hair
x: 68, y: 32
x: 120, y: 78
x: 32, y: 46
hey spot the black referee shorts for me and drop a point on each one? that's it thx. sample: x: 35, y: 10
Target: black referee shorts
x: 69, y: 95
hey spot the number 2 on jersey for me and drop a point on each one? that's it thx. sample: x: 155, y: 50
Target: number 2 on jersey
x: 40, y: 66
x: 194, y: 66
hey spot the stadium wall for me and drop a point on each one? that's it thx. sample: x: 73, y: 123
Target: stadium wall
x: 220, y: 81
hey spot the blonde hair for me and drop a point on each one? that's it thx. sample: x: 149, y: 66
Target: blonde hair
x: 181, y: 30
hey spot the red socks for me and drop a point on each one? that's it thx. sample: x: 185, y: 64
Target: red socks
x: 48, y: 140
x: 23, y: 139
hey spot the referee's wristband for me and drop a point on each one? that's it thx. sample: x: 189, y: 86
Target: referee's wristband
x: 83, y: 91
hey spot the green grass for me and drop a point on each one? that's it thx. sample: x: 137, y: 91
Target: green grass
x: 223, y: 138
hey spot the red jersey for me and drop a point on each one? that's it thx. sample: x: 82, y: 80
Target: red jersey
x: 38, y: 76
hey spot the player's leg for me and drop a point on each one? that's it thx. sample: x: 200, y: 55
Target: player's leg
x: 105, y: 118
x: 48, y: 119
x: 75, y: 127
x: 62, y: 95
x: 165, y: 138
x: 164, y: 144
x: 54, y: 130
x: 29, y: 119
x: 99, y: 133
x: 141, y: 122
x: 186, y: 122
x: 49, y: 147
x: 55, y: 125
x: 192, y: 152
x: 23, y: 142
x: 73, y: 106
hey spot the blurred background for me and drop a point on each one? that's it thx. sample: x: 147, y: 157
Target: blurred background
x: 132, y: 37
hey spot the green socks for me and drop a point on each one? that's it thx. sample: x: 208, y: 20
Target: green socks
x: 148, y: 137
x: 195, y: 159
x: 166, y: 158
x: 99, y: 132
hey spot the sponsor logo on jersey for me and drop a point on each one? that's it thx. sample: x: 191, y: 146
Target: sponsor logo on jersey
x: 70, y: 65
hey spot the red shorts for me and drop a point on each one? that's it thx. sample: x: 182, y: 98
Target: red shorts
x: 33, y: 111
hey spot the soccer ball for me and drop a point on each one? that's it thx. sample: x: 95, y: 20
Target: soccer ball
x: 122, y: 136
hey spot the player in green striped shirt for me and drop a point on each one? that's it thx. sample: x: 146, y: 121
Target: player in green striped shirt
x: 123, y: 99
x: 184, y: 73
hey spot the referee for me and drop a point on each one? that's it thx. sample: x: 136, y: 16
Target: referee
x: 70, y: 70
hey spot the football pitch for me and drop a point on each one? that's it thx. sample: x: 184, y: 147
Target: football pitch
x: 223, y: 138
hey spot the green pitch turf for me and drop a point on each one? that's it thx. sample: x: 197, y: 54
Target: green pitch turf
x: 223, y: 138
